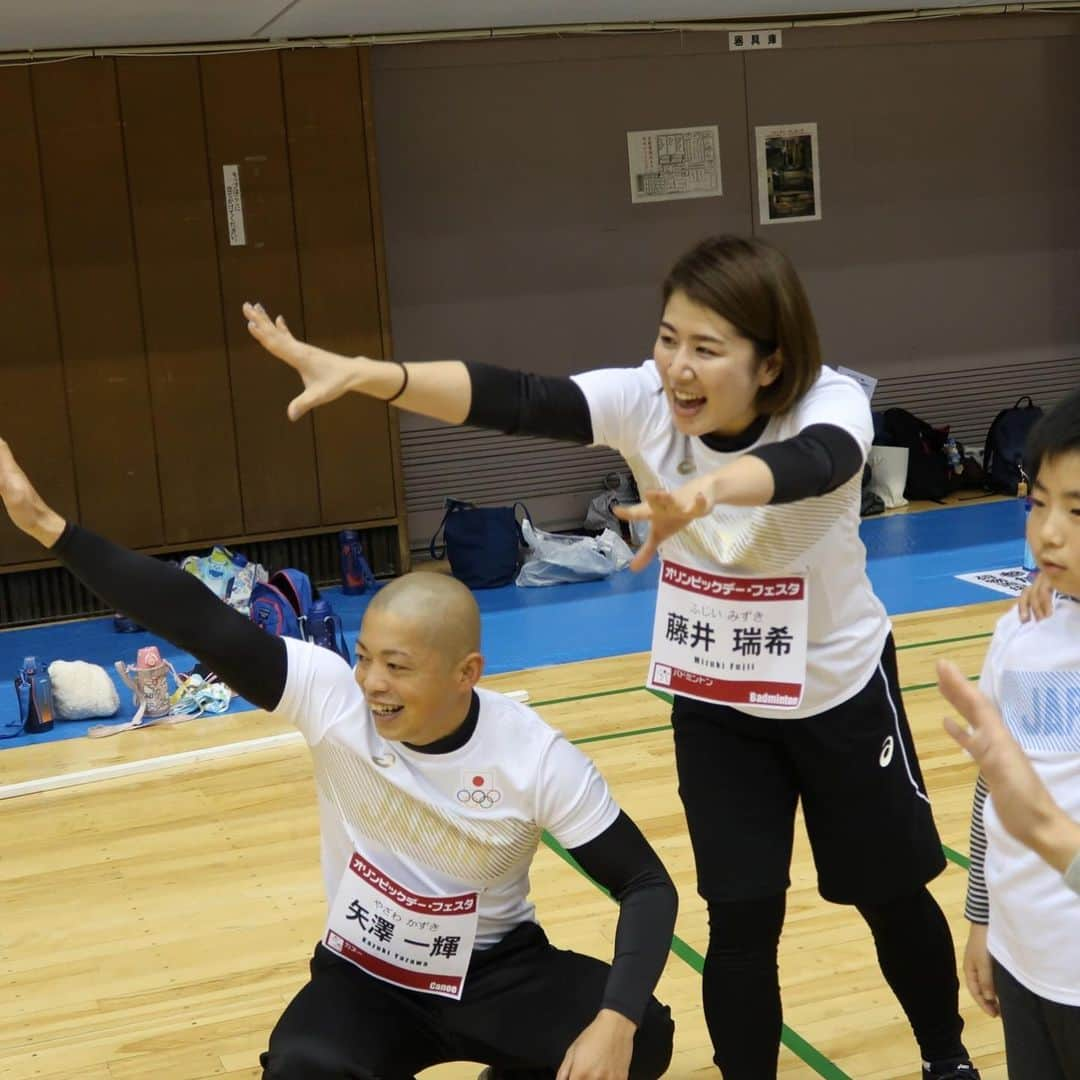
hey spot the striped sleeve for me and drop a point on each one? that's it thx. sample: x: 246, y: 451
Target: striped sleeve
x: 977, y: 905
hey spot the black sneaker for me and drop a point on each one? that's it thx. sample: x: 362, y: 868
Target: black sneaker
x: 952, y: 1069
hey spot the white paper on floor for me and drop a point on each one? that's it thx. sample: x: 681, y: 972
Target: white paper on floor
x: 1012, y: 581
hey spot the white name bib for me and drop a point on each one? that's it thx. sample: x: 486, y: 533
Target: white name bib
x: 417, y: 942
x: 730, y: 640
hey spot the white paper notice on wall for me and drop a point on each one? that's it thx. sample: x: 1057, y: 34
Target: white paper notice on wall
x: 234, y: 206
x: 867, y: 382
x: 675, y: 163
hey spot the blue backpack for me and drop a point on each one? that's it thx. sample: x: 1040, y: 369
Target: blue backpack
x: 285, y: 605
x: 1003, y: 455
x: 280, y: 606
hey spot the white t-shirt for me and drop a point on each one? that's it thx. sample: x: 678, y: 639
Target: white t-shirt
x: 441, y: 824
x: 819, y: 536
x: 1032, y: 673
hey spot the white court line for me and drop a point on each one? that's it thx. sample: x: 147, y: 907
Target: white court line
x: 168, y: 761
x: 132, y: 768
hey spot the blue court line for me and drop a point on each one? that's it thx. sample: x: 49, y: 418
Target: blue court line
x: 912, y: 560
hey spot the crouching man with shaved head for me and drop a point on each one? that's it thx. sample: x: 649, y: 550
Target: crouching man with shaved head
x: 432, y: 796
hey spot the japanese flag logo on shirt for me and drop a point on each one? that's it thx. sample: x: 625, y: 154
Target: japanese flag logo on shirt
x: 479, y: 789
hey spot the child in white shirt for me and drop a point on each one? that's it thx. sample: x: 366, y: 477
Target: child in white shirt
x: 1023, y: 953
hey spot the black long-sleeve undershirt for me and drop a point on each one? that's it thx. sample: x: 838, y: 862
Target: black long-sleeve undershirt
x: 817, y: 460
x: 621, y: 860
x: 178, y: 607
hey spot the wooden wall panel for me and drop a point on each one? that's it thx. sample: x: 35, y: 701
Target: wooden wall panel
x: 161, y: 103
x: 336, y: 249
x: 135, y: 395
x: 245, y: 125
x: 35, y: 420
x: 97, y: 299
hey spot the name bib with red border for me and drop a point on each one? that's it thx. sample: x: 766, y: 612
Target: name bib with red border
x: 421, y: 943
x: 730, y: 640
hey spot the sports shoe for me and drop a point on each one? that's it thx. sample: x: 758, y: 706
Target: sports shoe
x: 951, y: 1069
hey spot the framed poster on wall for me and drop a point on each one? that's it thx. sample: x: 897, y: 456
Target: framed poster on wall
x: 789, y: 173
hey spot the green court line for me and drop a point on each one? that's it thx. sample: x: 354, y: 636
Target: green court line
x: 791, y: 1039
x: 667, y: 697
x: 585, y: 697
x: 956, y: 857
x: 689, y: 955
x: 621, y: 734
x: 944, y: 641
x: 930, y: 685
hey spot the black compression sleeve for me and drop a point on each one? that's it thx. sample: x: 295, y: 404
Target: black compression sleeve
x: 621, y: 860
x: 178, y: 607
x: 517, y: 403
x: 817, y: 460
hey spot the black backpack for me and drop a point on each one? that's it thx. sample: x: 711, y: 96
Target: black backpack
x: 928, y: 468
x: 1003, y: 455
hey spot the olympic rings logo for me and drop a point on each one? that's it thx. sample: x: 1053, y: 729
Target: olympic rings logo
x: 477, y: 788
x: 478, y: 794
x: 484, y: 799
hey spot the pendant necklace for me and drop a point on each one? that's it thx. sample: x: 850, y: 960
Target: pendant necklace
x: 686, y: 466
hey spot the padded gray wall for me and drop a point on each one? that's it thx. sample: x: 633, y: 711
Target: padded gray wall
x: 950, y: 243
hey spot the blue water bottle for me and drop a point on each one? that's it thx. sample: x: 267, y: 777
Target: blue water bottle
x: 356, y: 575
x: 324, y: 628
x: 33, y: 688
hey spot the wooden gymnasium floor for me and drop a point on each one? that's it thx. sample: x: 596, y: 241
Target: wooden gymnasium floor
x: 155, y: 925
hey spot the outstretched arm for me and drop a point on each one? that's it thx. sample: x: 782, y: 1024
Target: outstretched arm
x: 165, y: 600
x: 817, y: 460
x: 458, y: 393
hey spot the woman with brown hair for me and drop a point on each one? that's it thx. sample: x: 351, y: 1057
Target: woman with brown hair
x: 749, y: 454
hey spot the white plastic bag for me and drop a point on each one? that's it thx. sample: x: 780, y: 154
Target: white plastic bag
x: 556, y: 560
